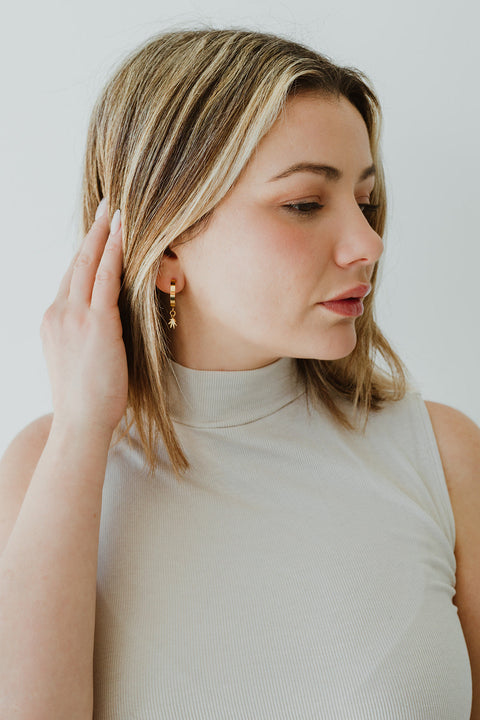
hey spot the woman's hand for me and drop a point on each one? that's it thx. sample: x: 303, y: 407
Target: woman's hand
x: 81, y: 333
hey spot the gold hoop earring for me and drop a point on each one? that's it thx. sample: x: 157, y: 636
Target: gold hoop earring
x: 172, y: 322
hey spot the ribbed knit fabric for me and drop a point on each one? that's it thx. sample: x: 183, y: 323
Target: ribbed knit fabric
x: 300, y: 571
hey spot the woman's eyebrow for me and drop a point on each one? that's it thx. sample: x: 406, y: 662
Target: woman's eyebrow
x: 330, y: 173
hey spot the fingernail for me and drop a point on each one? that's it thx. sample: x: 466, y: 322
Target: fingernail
x: 115, y: 222
x: 101, y: 208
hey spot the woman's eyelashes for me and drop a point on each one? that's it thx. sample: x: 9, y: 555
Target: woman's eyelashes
x: 310, y: 208
x: 303, y: 208
x: 368, y: 209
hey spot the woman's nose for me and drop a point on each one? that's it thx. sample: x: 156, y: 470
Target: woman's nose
x: 358, y: 241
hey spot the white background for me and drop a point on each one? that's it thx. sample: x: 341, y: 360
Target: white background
x: 424, y: 61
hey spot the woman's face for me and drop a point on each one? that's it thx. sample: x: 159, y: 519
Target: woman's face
x: 250, y: 284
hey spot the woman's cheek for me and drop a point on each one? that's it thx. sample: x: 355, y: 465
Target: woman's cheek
x: 292, y: 244
x: 281, y: 232
x: 274, y: 235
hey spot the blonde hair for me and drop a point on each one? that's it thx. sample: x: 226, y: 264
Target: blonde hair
x: 169, y: 135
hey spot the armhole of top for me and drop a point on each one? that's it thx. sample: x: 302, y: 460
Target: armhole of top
x: 434, y: 465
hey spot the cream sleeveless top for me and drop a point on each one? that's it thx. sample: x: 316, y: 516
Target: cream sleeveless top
x: 300, y: 571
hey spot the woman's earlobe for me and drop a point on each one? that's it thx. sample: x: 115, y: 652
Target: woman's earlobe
x: 168, y: 270
x: 164, y: 279
x: 163, y: 282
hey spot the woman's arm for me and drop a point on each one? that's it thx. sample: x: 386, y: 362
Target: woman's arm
x: 48, y: 574
x: 458, y: 440
x: 48, y: 560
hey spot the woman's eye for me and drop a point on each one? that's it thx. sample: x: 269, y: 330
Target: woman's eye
x: 368, y: 209
x: 309, y: 208
x: 303, y: 208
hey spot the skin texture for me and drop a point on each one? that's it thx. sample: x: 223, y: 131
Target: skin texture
x: 247, y: 287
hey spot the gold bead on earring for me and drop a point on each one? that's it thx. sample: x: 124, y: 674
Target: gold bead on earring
x: 172, y: 322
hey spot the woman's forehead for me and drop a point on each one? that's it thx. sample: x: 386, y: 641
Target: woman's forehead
x: 312, y: 129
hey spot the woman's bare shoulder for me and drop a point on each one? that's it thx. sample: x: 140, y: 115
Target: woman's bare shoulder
x: 17, y: 466
x: 458, y: 440
x: 28, y: 443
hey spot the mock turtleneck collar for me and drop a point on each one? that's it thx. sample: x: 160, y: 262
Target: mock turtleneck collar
x: 223, y: 398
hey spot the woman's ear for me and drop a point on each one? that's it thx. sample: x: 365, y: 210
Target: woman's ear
x: 170, y: 269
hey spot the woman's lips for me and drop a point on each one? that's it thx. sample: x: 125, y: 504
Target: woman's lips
x: 354, y: 293
x: 351, y: 307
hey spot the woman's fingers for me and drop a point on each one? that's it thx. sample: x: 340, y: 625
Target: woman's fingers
x: 93, y: 276
x: 106, y: 288
x: 64, y: 287
x: 82, y: 333
x: 99, y: 226
x: 82, y: 274
x: 85, y: 353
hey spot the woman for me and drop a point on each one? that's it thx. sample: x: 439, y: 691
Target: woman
x: 261, y: 553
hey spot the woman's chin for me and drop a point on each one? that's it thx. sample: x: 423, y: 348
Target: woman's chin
x: 338, y: 347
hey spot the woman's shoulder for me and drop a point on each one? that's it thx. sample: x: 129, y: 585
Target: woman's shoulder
x: 17, y: 466
x: 27, y: 445
x: 458, y: 439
